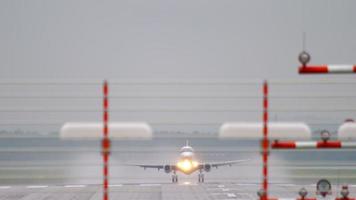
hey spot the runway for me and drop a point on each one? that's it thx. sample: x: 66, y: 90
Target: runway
x: 155, y: 191
x: 39, y: 169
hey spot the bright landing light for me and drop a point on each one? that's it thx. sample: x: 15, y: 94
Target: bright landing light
x: 187, y: 165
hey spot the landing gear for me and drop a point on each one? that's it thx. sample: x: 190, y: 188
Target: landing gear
x: 174, y: 178
x: 201, y: 178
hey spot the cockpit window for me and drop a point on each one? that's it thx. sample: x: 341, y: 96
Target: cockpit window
x: 187, y: 149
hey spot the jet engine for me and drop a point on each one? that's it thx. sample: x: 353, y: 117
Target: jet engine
x: 207, y: 167
x: 167, y: 169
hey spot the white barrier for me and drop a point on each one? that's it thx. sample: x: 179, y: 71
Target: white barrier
x: 117, y: 130
x: 277, y: 130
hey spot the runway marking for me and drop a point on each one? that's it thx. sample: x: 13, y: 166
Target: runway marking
x: 5, y: 187
x: 36, y: 186
x: 217, y: 193
x: 231, y: 195
x: 286, y: 185
x: 75, y: 186
x: 221, y: 186
x: 246, y: 184
x: 149, y: 184
x: 117, y: 185
x: 243, y: 194
x: 212, y: 189
x: 225, y: 189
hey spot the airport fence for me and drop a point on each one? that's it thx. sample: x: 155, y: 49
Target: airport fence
x: 32, y: 113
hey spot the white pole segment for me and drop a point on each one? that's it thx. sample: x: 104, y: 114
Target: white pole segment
x: 306, y: 145
x: 340, y: 68
x: 348, y: 145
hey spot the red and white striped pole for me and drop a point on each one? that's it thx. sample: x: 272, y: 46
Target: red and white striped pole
x: 106, y: 141
x: 327, y: 69
x: 265, y: 143
x: 304, y: 58
x: 313, y: 145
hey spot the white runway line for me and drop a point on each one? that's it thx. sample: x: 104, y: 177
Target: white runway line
x: 149, y: 184
x: 246, y: 184
x: 286, y: 185
x: 225, y: 189
x: 231, y: 195
x: 5, y: 187
x: 116, y: 185
x: 218, y: 193
x: 212, y: 189
x: 75, y: 186
x: 36, y: 186
x: 221, y: 186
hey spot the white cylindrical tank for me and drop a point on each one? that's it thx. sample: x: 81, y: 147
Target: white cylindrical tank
x: 276, y: 130
x: 347, y: 131
x: 117, y: 130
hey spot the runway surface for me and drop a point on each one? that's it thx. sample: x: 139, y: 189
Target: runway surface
x: 39, y: 169
x: 182, y: 191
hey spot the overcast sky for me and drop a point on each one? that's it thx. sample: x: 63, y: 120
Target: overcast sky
x: 172, y: 40
x: 165, y: 39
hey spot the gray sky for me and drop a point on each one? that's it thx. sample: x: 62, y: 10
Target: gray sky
x: 157, y: 39
x: 172, y: 40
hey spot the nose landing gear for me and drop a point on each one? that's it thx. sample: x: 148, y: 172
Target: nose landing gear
x: 174, y: 178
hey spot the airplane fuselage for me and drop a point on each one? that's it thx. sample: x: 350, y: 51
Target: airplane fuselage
x: 187, y: 163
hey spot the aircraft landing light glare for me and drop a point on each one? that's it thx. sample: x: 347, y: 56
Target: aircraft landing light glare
x: 187, y: 164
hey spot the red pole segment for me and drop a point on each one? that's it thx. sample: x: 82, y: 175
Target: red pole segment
x: 265, y: 142
x: 313, y: 145
x: 328, y: 69
x: 106, y: 141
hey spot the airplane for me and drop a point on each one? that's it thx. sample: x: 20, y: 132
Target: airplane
x: 187, y: 164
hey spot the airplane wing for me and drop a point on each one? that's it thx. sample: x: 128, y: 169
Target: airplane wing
x: 158, y: 167
x: 226, y: 163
